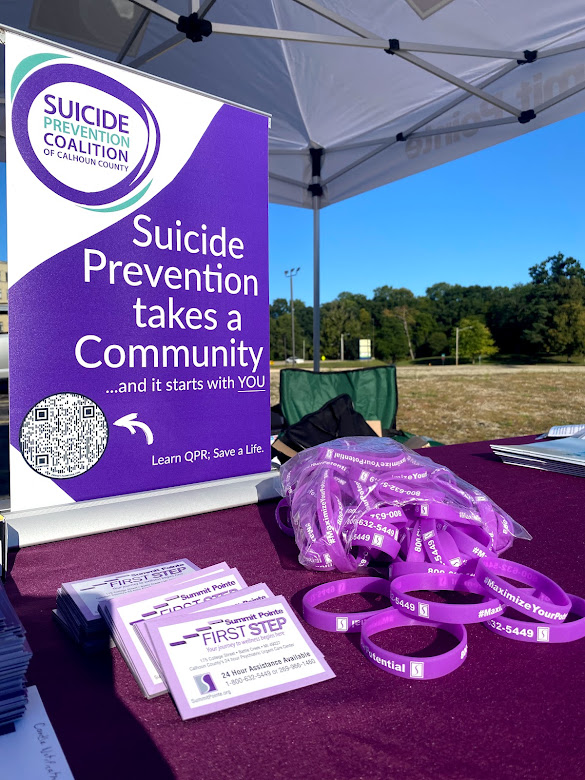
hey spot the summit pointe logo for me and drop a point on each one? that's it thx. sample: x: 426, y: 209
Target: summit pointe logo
x: 83, y: 134
x: 205, y: 683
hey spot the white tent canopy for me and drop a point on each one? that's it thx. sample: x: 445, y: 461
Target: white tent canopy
x: 361, y: 94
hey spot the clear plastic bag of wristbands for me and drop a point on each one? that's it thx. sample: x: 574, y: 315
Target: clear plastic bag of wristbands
x: 362, y: 501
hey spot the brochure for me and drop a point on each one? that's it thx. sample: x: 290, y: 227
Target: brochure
x: 123, y: 612
x: 234, y: 655
x: 77, y: 601
x: 86, y: 594
x: 254, y: 593
x: 560, y: 431
x: 561, y: 455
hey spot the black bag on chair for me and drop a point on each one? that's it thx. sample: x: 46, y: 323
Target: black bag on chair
x: 334, y: 420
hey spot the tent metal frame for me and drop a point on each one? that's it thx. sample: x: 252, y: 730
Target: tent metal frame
x: 365, y: 39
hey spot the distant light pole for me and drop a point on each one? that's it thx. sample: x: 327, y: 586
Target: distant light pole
x: 342, y: 346
x: 290, y: 275
x: 468, y: 327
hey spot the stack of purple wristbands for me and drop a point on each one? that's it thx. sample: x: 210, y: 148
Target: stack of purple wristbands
x: 360, y: 502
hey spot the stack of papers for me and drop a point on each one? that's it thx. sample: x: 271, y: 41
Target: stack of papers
x: 15, y: 655
x: 123, y: 615
x: 254, y: 593
x: 201, y: 634
x: 77, y: 602
x: 565, y: 456
x: 206, y: 637
x: 560, y: 431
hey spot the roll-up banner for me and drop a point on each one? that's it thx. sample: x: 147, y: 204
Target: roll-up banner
x: 138, y: 302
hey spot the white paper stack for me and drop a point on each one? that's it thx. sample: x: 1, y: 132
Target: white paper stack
x: 244, y: 596
x: 202, y: 635
x: 561, y: 431
x: 32, y: 751
x: 564, y: 456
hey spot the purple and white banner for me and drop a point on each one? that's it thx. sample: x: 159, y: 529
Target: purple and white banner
x: 138, y: 252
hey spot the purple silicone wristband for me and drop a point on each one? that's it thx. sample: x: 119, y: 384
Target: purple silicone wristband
x: 438, y: 612
x: 341, y: 622
x: 382, y: 517
x: 284, y: 526
x: 425, y: 668
x: 377, y: 542
x: 461, y: 515
x: 365, y: 461
x: 524, y: 631
x: 467, y: 544
x: 415, y: 552
x: 440, y: 547
x: 340, y: 497
x: 553, y: 611
x: 387, y: 489
x: 329, y: 512
x: 400, y: 568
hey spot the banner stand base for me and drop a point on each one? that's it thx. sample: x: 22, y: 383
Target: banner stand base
x: 38, y: 526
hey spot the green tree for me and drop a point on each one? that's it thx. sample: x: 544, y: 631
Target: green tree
x: 399, y: 303
x: 337, y: 317
x: 569, y: 329
x: 422, y: 329
x: 508, y: 319
x: 405, y: 315
x: 437, y: 342
x: 475, y: 340
x: 553, y: 301
x: 281, y: 331
x: 390, y: 342
x: 450, y: 303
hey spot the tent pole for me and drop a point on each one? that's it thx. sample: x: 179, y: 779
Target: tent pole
x: 316, y: 190
x: 316, y: 283
x: 133, y: 35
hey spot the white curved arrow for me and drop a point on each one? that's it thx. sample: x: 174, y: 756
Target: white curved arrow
x: 129, y: 421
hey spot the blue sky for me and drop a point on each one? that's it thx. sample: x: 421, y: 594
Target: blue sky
x: 486, y: 218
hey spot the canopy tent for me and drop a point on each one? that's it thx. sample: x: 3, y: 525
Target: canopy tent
x: 361, y: 94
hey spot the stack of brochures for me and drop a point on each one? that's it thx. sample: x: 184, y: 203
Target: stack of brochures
x: 566, y: 456
x: 77, y: 602
x: 15, y: 655
x: 124, y: 615
x: 201, y: 634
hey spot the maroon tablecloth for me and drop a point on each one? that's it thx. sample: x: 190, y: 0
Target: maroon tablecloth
x: 513, y: 710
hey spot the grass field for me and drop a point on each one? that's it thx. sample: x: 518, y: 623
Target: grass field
x: 471, y: 403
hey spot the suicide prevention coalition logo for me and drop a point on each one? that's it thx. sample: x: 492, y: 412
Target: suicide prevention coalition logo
x: 84, y: 135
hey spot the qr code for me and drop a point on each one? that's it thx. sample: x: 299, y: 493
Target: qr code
x: 63, y: 435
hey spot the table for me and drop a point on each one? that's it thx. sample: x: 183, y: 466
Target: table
x: 513, y: 710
